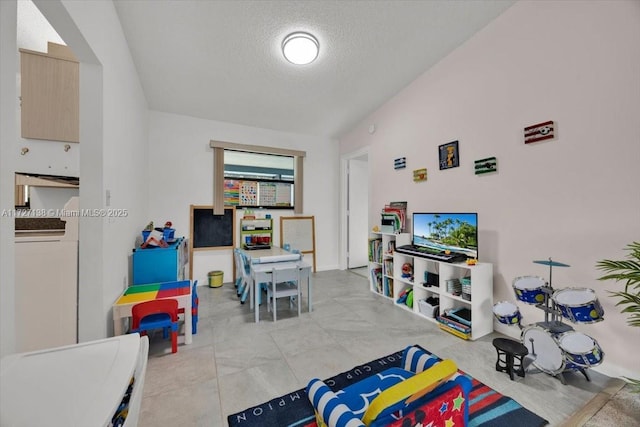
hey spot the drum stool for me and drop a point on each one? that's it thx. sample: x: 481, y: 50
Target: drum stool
x: 510, y: 354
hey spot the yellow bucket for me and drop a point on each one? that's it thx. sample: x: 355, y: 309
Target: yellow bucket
x: 215, y: 278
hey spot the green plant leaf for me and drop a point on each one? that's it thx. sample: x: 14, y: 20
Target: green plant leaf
x: 628, y: 272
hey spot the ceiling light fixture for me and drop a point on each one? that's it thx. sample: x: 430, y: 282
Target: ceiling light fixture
x: 300, y: 48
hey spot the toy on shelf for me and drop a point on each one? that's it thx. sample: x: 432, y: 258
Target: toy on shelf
x: 157, y: 237
x: 407, y: 271
x: 406, y: 297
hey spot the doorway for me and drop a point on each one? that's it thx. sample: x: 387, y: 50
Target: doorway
x: 355, y: 216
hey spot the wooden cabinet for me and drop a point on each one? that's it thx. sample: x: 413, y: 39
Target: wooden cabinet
x: 50, y: 94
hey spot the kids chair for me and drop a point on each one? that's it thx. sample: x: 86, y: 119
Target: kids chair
x: 424, y: 389
x: 244, y: 275
x: 285, y: 282
x: 155, y: 314
x: 195, y: 301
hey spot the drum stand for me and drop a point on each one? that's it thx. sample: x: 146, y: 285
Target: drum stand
x: 555, y: 325
x: 552, y: 315
x: 560, y: 375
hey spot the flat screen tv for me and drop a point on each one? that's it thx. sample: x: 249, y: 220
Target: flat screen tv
x: 441, y: 232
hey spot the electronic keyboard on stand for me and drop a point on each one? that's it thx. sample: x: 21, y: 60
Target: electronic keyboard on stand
x: 431, y: 253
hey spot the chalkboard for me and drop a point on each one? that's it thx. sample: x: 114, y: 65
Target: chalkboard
x: 210, y: 231
x: 299, y: 232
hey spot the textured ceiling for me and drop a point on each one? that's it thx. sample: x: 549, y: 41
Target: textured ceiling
x: 221, y: 60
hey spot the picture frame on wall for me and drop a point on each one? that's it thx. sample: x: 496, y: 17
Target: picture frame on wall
x: 449, y: 155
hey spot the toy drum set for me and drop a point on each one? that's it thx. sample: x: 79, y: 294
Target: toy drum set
x: 555, y: 347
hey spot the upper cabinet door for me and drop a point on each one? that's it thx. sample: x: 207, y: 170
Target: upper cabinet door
x: 50, y: 95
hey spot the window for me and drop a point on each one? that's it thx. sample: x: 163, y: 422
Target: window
x: 258, y: 180
x: 256, y: 176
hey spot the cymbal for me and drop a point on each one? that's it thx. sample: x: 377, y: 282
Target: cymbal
x: 551, y: 263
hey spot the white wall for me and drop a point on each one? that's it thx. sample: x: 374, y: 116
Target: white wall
x: 8, y: 135
x: 118, y: 164
x: 113, y: 134
x: 181, y: 174
x: 575, y: 198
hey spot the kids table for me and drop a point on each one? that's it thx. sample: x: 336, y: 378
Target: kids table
x: 180, y: 291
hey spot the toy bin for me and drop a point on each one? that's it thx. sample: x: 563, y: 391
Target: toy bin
x: 215, y: 278
x: 168, y: 233
x: 427, y: 309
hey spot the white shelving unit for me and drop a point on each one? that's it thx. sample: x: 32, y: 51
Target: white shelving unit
x: 481, y: 274
x: 381, y: 264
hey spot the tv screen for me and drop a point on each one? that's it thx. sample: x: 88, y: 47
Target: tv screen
x: 439, y: 232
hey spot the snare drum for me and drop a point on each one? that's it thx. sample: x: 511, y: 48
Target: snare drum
x: 580, y: 349
x: 549, y: 356
x: 579, y: 305
x: 507, y: 313
x: 529, y: 289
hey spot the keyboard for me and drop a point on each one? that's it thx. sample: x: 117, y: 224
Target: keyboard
x: 424, y: 253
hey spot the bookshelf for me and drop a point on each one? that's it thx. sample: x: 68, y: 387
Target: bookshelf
x: 381, y: 261
x: 441, y: 276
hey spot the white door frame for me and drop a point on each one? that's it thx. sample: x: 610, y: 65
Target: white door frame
x: 344, y: 187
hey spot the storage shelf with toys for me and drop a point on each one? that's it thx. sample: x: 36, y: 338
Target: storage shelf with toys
x: 382, y: 279
x: 256, y: 233
x: 456, y: 296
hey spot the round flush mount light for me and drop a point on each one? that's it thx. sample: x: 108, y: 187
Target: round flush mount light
x: 300, y: 48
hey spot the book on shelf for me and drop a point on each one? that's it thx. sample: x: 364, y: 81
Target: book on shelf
x: 452, y: 323
x: 388, y: 267
x: 376, y: 279
x: 375, y: 250
x: 395, y: 213
x: 391, y: 248
x: 388, y: 287
x: 455, y: 332
x: 461, y: 315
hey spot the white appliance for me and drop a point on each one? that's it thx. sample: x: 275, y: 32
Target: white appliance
x: 80, y: 385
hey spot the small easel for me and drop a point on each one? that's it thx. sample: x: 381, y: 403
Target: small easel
x: 299, y: 232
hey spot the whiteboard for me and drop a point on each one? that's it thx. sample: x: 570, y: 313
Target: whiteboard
x: 299, y: 233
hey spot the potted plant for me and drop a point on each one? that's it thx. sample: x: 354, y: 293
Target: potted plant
x: 628, y: 272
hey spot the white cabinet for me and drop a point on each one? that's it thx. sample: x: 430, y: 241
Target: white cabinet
x: 381, y: 271
x: 430, y: 278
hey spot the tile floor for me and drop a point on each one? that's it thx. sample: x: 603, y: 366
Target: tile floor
x: 235, y: 363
